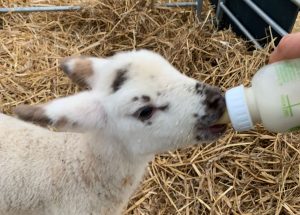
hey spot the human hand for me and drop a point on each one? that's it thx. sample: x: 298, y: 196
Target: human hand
x: 288, y: 48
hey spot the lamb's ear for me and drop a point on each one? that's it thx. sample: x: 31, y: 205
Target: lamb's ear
x: 81, y: 112
x: 82, y: 70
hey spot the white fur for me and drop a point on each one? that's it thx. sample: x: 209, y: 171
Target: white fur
x: 95, y: 171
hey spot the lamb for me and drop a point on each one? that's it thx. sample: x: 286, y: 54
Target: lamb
x: 136, y: 105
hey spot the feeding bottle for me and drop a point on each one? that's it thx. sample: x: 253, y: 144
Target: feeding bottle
x: 273, y: 99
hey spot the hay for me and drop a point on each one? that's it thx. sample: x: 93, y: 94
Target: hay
x: 243, y: 173
x: 297, y: 24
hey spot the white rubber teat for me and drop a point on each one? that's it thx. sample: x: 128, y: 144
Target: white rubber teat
x: 237, y: 109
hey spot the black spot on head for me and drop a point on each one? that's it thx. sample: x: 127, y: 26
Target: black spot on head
x: 135, y: 98
x: 119, y: 79
x: 149, y: 123
x: 195, y: 115
x: 158, y: 93
x: 146, y: 98
x: 200, y: 88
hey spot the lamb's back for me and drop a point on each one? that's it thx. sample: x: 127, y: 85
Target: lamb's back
x: 34, y: 163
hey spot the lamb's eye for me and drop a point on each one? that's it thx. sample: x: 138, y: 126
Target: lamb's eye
x: 144, y: 113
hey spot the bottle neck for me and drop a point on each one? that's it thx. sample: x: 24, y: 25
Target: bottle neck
x: 252, y: 105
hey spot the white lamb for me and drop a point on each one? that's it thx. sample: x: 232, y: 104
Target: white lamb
x: 138, y: 105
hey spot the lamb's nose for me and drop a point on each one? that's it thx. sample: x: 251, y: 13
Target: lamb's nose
x: 214, y: 100
x: 214, y: 104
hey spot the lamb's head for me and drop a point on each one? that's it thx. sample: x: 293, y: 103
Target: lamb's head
x: 136, y: 99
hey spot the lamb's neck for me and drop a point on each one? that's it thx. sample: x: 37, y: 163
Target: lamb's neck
x: 113, y: 151
x: 116, y: 166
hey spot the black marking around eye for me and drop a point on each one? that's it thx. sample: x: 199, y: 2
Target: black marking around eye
x: 146, y: 98
x: 119, y: 79
x: 164, y: 107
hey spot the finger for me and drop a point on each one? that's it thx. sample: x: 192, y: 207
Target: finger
x: 288, y: 48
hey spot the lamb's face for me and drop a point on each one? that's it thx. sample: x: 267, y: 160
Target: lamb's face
x: 146, y: 104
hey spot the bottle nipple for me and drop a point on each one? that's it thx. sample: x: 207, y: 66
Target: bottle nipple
x: 224, y: 119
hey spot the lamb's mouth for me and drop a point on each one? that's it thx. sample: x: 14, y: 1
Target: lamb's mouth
x: 210, y: 131
x: 217, y: 130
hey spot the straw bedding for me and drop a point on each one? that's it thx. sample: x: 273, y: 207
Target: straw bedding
x: 297, y: 24
x: 243, y: 173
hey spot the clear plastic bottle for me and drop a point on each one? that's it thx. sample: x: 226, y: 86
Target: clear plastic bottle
x: 273, y: 99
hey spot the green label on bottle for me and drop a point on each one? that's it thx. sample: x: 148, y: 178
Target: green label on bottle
x: 287, y: 106
x: 288, y: 72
